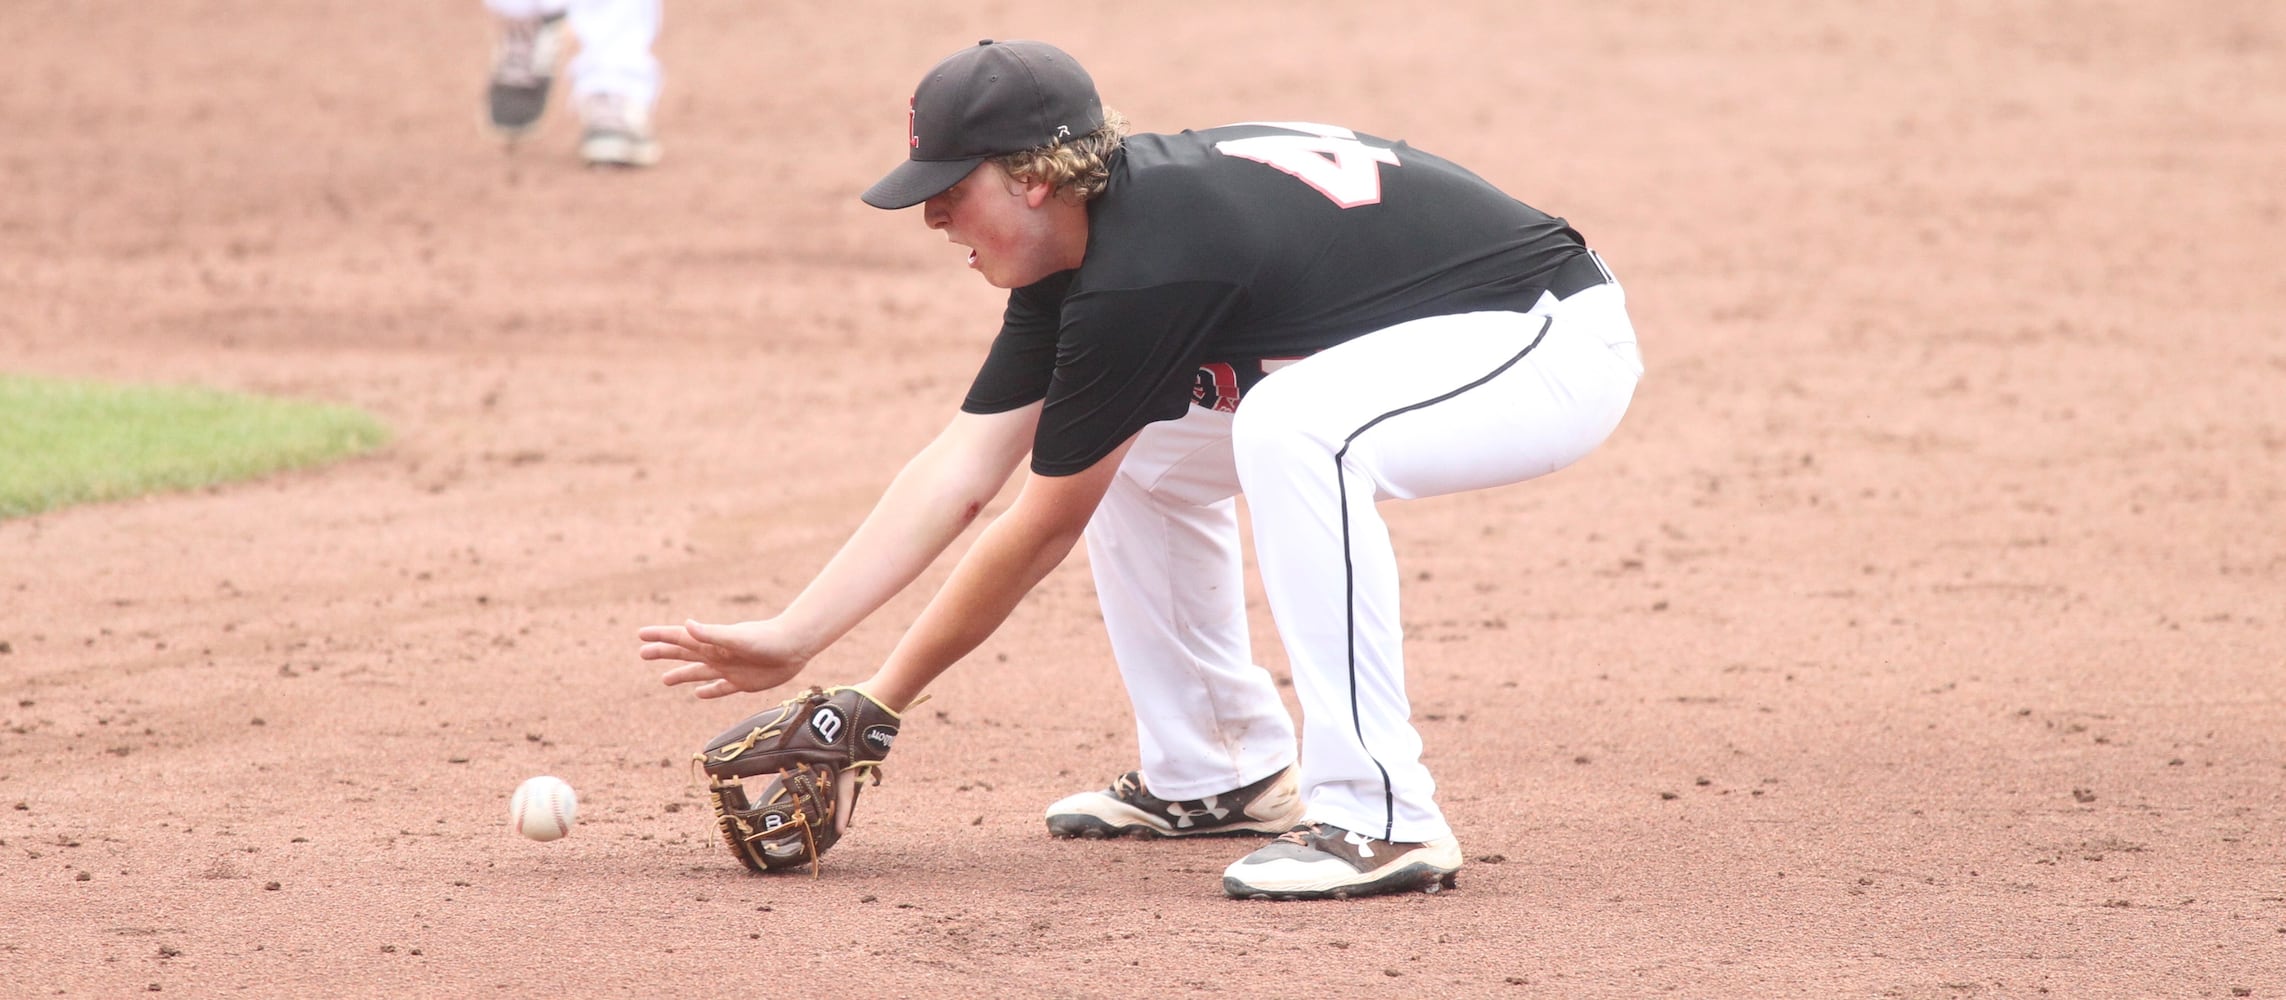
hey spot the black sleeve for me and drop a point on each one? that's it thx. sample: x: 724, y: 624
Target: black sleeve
x: 1126, y: 358
x: 1022, y: 358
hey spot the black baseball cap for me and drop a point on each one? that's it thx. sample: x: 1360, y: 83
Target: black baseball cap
x: 984, y: 101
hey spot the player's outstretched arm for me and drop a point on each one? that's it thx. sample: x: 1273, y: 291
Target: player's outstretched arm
x: 938, y: 493
x: 1007, y: 561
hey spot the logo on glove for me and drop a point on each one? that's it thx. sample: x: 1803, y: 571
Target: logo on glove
x: 880, y: 737
x: 828, y: 723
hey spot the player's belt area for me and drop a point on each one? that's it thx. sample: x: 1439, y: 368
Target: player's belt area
x: 1577, y: 274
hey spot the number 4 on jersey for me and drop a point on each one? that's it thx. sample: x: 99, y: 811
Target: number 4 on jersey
x: 1328, y: 158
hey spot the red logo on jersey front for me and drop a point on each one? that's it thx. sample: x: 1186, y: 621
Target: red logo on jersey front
x: 912, y: 123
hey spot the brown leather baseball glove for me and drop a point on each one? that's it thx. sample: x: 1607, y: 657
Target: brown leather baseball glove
x: 816, y: 749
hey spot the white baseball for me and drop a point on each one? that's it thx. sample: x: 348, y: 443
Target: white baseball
x: 543, y: 808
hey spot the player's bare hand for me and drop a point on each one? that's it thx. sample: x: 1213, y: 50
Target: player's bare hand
x: 724, y: 659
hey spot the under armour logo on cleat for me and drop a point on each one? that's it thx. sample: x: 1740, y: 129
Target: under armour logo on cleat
x: 1183, y: 817
x: 1363, y: 843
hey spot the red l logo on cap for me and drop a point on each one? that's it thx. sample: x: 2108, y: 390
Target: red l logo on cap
x: 912, y: 123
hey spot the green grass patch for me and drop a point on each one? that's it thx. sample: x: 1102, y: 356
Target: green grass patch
x: 65, y: 442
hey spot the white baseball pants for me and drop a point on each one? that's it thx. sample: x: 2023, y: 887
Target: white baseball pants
x: 615, y: 38
x: 1430, y: 407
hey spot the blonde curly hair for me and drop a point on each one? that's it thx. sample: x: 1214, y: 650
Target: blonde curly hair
x: 1077, y: 168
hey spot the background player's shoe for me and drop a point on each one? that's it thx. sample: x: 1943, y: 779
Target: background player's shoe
x: 615, y: 132
x: 1127, y: 809
x: 523, y: 66
x: 1324, y: 861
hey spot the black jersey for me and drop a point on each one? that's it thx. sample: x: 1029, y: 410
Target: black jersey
x: 1243, y: 243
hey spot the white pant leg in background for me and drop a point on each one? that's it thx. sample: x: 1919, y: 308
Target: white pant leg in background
x: 1165, y: 549
x: 615, y: 40
x: 1425, y: 408
x: 526, y: 8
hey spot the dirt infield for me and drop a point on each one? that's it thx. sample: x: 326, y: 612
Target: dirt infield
x: 1921, y: 633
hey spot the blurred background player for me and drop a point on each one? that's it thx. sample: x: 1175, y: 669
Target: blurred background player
x: 614, y: 78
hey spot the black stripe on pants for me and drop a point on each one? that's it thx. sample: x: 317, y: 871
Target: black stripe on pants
x: 1349, y: 572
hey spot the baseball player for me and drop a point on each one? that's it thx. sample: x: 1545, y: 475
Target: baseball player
x: 1314, y: 317
x: 615, y: 76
